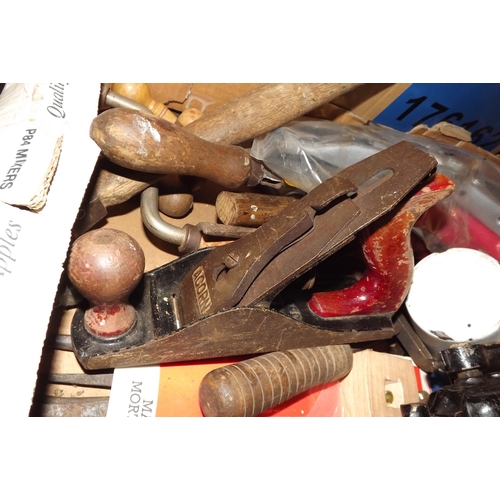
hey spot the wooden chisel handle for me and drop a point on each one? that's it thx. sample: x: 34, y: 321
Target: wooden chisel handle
x: 249, y: 388
x: 145, y: 143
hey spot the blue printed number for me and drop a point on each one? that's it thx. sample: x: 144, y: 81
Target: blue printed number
x: 476, y: 136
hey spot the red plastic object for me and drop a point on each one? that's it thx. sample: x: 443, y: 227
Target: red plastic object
x: 457, y: 228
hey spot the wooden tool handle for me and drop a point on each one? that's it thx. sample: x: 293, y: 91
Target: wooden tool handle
x: 249, y: 209
x: 263, y: 109
x: 245, y: 117
x: 112, y: 188
x: 146, y: 143
x: 249, y: 388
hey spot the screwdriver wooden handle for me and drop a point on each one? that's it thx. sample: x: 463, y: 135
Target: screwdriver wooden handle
x: 136, y: 141
x: 249, y: 388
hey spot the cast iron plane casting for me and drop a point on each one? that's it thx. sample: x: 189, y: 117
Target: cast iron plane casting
x: 217, y: 302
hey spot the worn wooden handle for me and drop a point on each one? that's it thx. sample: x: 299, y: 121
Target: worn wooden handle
x: 249, y: 209
x: 263, y: 109
x: 136, y: 141
x: 249, y: 388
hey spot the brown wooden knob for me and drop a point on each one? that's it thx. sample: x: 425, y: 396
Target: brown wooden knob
x: 105, y: 266
x: 175, y: 205
x: 174, y: 194
x: 139, y: 92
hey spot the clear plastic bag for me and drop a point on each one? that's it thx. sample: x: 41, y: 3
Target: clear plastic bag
x: 305, y: 153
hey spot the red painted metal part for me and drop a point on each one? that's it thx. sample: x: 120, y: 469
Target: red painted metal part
x: 388, y: 255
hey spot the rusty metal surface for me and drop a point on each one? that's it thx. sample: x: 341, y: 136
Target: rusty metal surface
x: 238, y: 331
x: 240, y: 275
x: 303, y: 234
x: 222, y: 278
x: 413, y: 344
x: 102, y: 380
x: 74, y: 407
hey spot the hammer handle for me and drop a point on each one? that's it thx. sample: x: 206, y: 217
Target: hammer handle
x: 245, y: 117
x: 263, y: 109
x: 249, y: 388
x: 136, y: 141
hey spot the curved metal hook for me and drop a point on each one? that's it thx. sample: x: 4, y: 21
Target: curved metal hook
x: 188, y: 238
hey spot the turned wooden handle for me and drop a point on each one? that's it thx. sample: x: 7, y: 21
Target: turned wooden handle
x: 136, y: 141
x: 263, y: 109
x: 249, y: 209
x: 249, y: 388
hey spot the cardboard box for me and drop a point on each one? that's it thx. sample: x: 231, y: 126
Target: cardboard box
x: 473, y: 106
x: 34, y: 240
x: 363, y: 104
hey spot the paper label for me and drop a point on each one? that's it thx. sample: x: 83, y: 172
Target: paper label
x: 33, y: 118
x: 34, y: 244
x: 135, y: 392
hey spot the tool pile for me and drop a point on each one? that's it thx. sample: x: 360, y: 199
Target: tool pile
x: 296, y: 286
